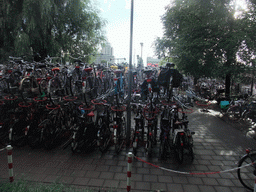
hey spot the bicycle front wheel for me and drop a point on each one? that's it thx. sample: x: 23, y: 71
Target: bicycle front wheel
x: 233, y: 113
x: 245, y: 174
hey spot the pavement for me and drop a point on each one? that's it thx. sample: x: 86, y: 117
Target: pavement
x: 214, y: 151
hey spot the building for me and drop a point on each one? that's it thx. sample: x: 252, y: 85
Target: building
x: 152, y: 62
x: 107, y: 54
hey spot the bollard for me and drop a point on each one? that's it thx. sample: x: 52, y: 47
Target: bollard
x: 10, y: 165
x: 129, y: 171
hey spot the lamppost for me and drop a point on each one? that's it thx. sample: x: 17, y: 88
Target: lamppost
x: 141, y: 45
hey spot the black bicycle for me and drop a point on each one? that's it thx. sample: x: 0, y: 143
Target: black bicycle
x: 138, y: 136
x: 247, y: 170
x: 103, y: 121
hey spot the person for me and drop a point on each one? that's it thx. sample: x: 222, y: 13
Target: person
x: 165, y: 76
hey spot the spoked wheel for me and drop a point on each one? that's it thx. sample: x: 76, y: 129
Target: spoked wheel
x: 246, y: 174
x: 43, y: 86
x: 34, y: 136
x: 148, y: 148
x: 104, y: 137
x: 179, y: 150
x: 233, y: 114
x: 191, y: 152
x: 17, y: 134
x: 47, y: 134
x: 4, y: 129
x: 74, y: 144
x: 117, y: 136
x: 76, y: 87
x: 55, y: 88
x: 163, y: 150
x: 135, y: 143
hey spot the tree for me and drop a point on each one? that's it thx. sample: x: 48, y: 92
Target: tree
x: 50, y: 27
x: 203, y: 37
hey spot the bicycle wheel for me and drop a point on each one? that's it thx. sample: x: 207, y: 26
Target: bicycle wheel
x: 17, y: 133
x: 43, y: 86
x: 75, y: 86
x: 55, y: 88
x: 148, y: 148
x: 104, y: 135
x: 135, y: 141
x: 47, y: 134
x: 75, y: 140
x: 245, y: 174
x: 179, y: 149
x: 119, y: 134
x: 233, y: 113
x: 163, y: 150
x: 34, y: 133
x: 4, y: 88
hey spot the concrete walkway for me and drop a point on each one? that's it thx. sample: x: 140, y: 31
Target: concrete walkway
x: 213, y: 152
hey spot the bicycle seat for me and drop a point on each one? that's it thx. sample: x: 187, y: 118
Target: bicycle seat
x: 56, y: 69
x: 88, y: 69
x: 178, y: 123
x: 91, y: 114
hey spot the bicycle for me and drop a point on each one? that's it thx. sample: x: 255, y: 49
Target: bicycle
x: 138, y: 135
x: 246, y: 171
x: 165, y: 128
x: 119, y: 125
x: 150, y: 112
x: 103, y: 121
x: 85, y: 132
x: 181, y: 135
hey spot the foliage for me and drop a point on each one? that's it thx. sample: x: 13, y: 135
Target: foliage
x: 201, y: 36
x: 49, y: 27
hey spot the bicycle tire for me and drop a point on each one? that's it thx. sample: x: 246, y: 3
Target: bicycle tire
x: 233, y: 114
x: 4, y: 87
x: 43, y: 86
x: 104, y: 136
x: 179, y: 150
x: 55, y: 88
x: 245, y: 175
x: 34, y: 133
x: 120, y: 135
x: 18, y: 137
x: 163, y: 150
x: 148, y: 148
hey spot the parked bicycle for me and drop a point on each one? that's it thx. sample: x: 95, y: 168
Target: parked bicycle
x: 246, y: 171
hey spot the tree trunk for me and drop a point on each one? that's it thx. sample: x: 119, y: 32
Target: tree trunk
x: 227, y: 84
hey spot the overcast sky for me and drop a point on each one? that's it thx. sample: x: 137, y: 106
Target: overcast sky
x: 146, y: 27
x: 147, y: 24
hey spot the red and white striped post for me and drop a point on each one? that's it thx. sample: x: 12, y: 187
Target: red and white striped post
x: 129, y: 171
x: 10, y: 165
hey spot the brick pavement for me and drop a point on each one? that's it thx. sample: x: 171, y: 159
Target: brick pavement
x: 108, y: 171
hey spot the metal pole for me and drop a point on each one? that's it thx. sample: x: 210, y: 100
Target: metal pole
x: 128, y: 133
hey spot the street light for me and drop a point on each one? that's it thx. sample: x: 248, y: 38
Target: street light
x: 141, y: 44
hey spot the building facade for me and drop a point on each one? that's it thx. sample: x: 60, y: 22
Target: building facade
x: 106, y: 54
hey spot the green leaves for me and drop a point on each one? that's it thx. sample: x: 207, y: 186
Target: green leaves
x: 202, y: 36
x: 49, y: 27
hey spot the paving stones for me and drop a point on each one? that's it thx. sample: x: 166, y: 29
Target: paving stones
x: 109, y: 171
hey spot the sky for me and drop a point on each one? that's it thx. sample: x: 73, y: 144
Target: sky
x: 147, y: 25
